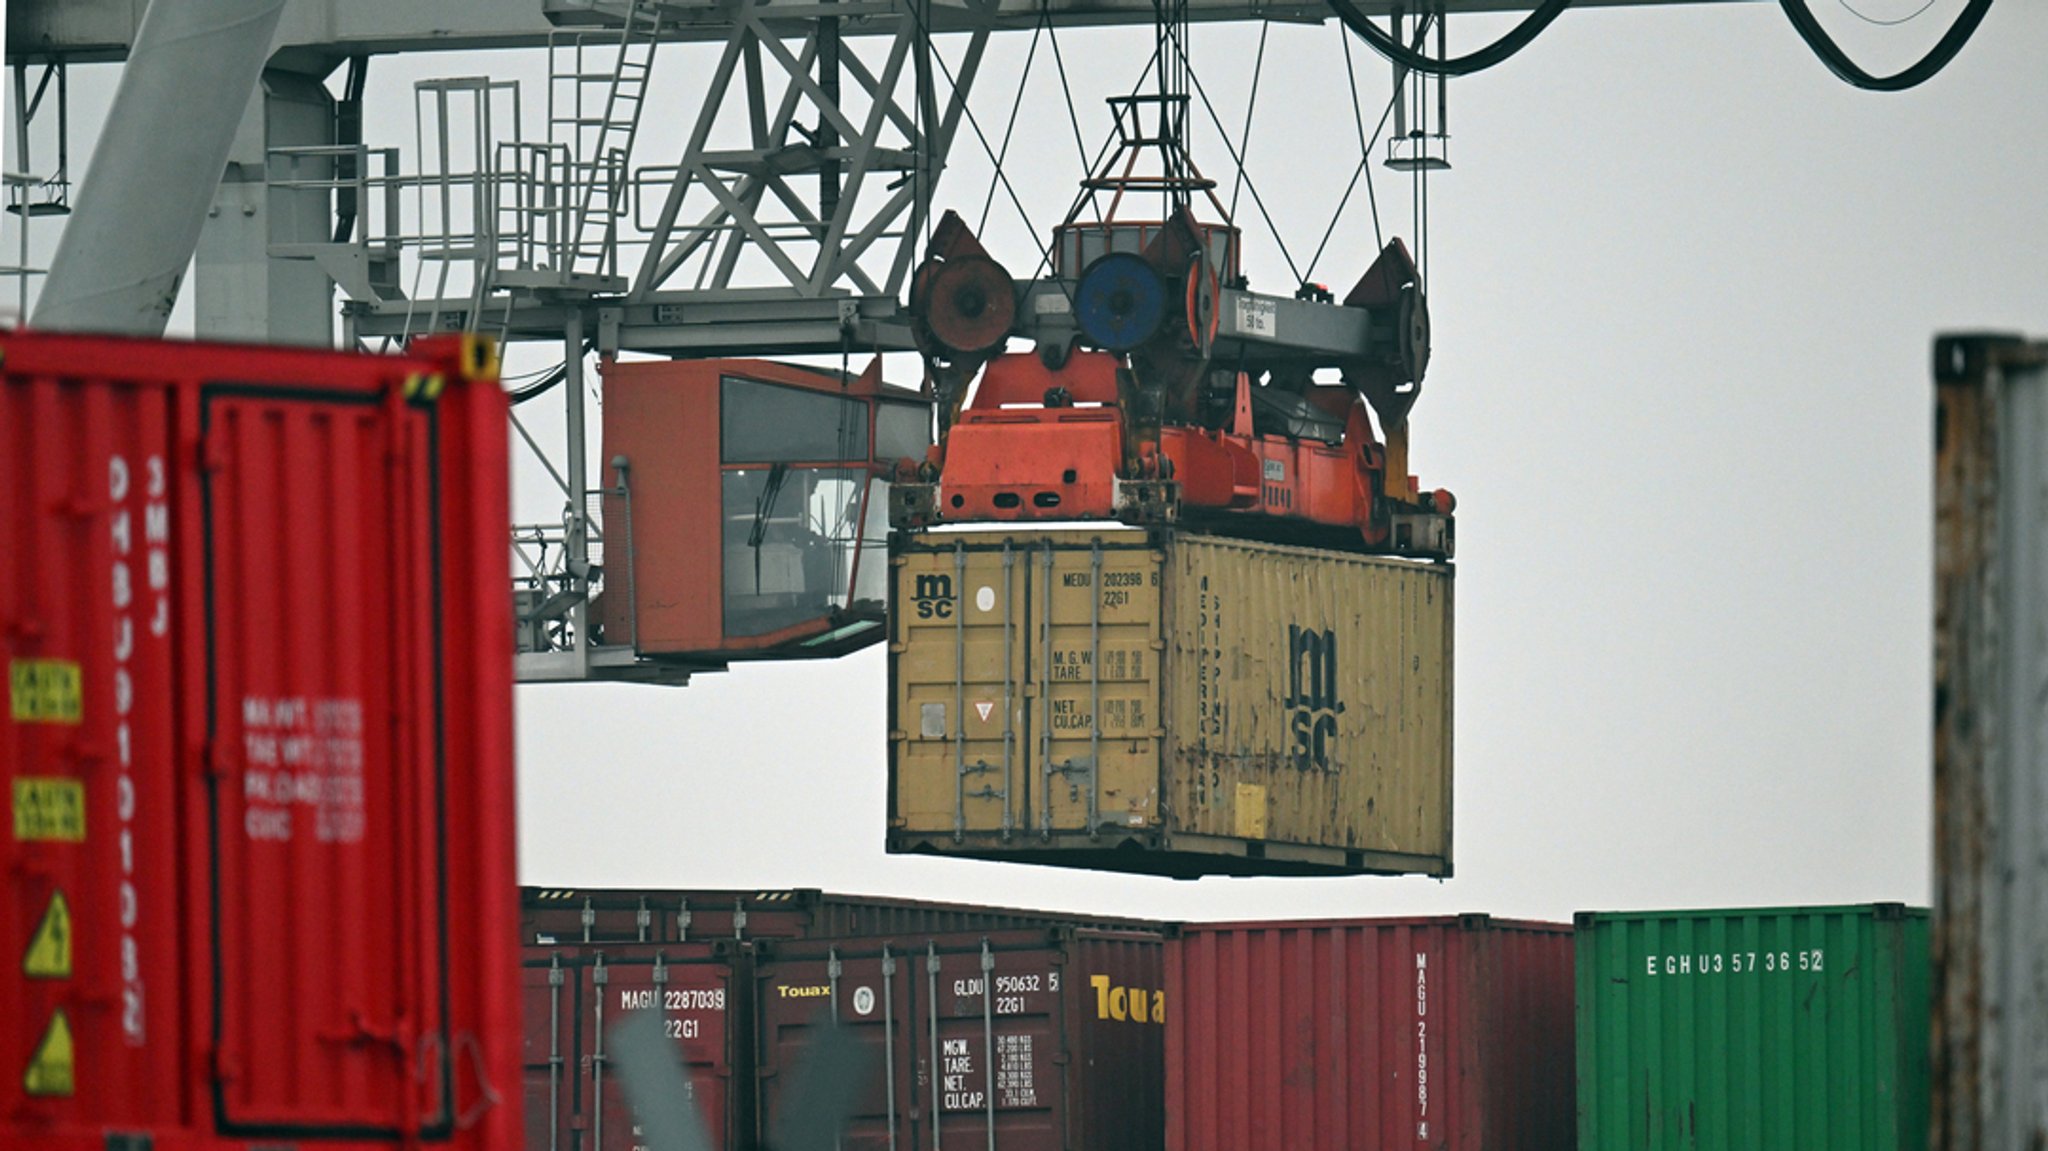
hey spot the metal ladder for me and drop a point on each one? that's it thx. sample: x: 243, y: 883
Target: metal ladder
x: 598, y: 143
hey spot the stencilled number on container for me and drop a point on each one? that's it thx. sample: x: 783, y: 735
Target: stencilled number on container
x: 694, y: 999
x: 1736, y: 962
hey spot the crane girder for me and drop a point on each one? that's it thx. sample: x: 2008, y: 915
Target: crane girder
x: 315, y: 34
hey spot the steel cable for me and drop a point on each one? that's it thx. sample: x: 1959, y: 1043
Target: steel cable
x: 1838, y: 62
x: 1516, y: 39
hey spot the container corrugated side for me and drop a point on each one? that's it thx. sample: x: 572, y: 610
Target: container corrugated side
x: 1450, y: 1033
x: 1169, y: 702
x: 258, y: 746
x: 611, y: 915
x: 1990, y: 840
x: 1013, y: 1041
x: 1771, y: 1029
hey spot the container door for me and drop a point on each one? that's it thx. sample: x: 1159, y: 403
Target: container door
x: 870, y: 993
x: 327, y: 820
x: 1094, y: 669
x: 960, y: 687
x: 696, y: 1001
x: 998, y: 1081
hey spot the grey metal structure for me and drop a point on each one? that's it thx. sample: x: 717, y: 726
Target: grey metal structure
x: 800, y: 241
x: 89, y: 30
x: 173, y: 117
x: 1991, y: 744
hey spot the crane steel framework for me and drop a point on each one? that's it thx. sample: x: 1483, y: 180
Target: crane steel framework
x: 537, y: 236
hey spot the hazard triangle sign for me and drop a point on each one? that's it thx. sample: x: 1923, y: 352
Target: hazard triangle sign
x: 50, y: 1068
x: 49, y: 951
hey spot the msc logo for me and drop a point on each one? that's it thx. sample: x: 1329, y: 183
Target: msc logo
x: 932, y: 597
x: 1312, y: 697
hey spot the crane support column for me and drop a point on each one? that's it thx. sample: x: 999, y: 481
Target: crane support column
x: 168, y: 134
x: 240, y: 291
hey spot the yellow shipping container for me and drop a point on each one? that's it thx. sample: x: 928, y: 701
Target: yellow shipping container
x: 1169, y: 703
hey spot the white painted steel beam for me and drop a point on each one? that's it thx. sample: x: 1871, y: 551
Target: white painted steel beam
x: 167, y: 137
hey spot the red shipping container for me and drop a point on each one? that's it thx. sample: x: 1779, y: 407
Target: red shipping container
x: 574, y: 996
x: 1451, y: 1034
x: 564, y: 915
x: 258, y: 747
x: 1065, y: 1056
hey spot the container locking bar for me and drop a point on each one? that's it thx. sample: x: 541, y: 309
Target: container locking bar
x: 959, y: 691
x: 833, y: 970
x: 931, y: 976
x: 599, y: 978
x: 889, y: 1036
x: 1009, y: 691
x: 988, y: 1037
x: 1045, y: 692
x: 555, y: 1051
x: 1095, y: 690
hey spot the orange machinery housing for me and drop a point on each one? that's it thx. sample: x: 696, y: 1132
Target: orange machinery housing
x: 1037, y: 443
x: 745, y: 506
x: 1151, y: 397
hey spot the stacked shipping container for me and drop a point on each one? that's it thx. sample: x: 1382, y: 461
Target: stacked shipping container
x: 1776, y: 1029
x: 1451, y: 1033
x: 1025, y: 1031
x: 1064, y: 1053
x: 1020, y: 1041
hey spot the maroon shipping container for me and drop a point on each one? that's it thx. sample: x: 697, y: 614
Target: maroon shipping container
x: 574, y: 995
x: 1452, y: 1034
x: 258, y: 748
x: 566, y: 915
x: 1065, y: 1055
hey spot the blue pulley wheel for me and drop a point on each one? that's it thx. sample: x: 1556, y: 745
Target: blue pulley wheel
x: 1121, y: 302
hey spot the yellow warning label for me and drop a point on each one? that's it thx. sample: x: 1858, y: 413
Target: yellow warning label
x: 49, y: 810
x: 49, y: 952
x: 1250, y: 811
x: 45, y: 691
x: 50, y: 1068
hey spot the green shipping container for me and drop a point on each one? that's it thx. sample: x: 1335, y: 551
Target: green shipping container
x: 1774, y: 1029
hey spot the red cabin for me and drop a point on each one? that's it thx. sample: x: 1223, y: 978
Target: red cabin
x: 746, y: 506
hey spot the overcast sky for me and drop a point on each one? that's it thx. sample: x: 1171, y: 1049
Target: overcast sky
x: 1683, y: 284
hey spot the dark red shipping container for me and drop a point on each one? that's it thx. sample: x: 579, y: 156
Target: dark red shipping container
x: 1451, y: 1034
x: 551, y: 915
x: 575, y: 995
x: 260, y: 881
x: 1012, y: 1041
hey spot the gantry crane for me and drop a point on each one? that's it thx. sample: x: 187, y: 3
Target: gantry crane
x: 801, y: 241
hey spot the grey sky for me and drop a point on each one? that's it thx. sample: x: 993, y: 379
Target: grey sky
x: 1683, y: 284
